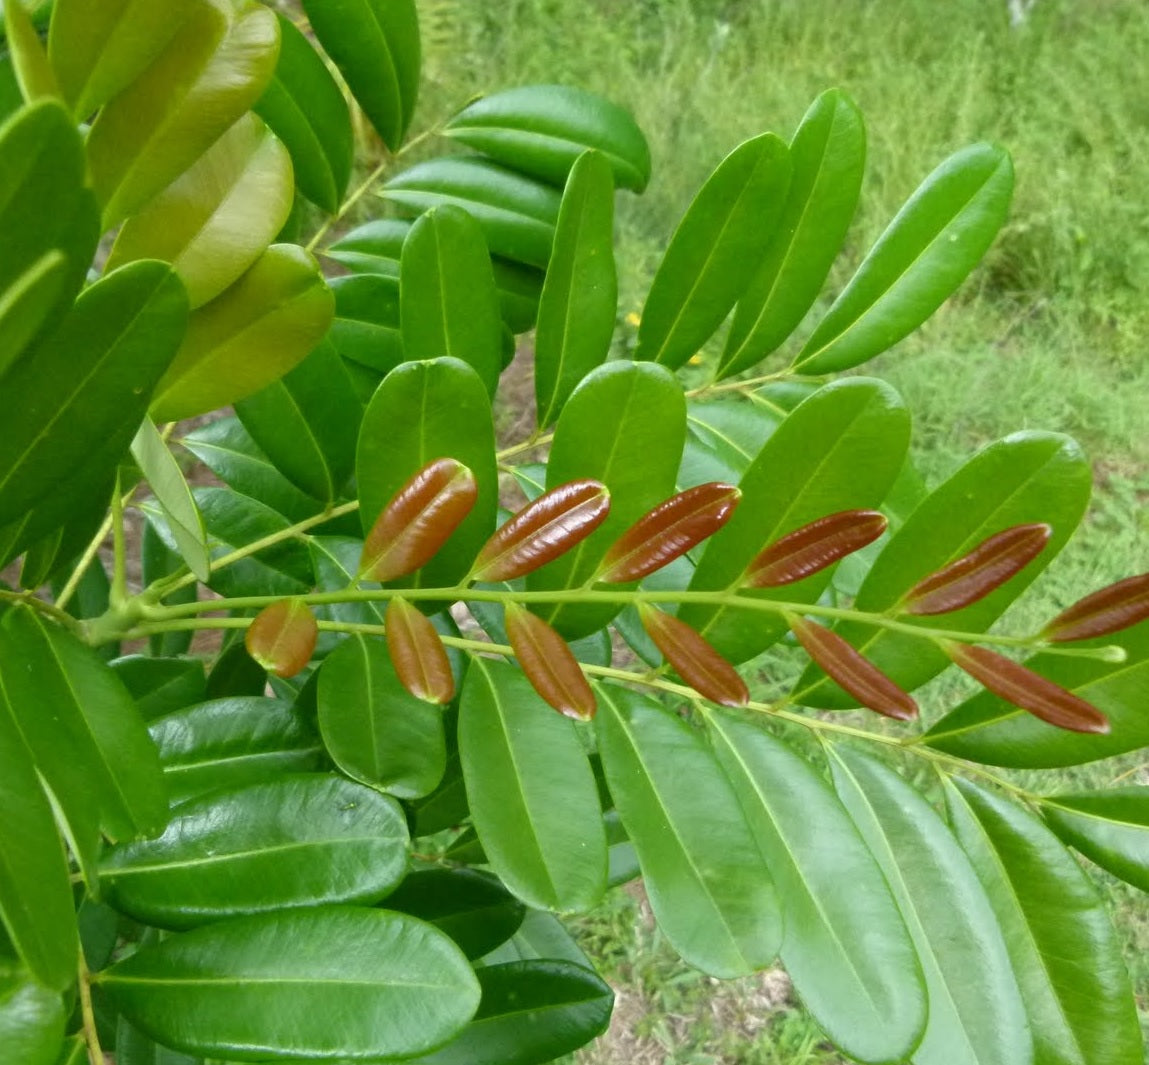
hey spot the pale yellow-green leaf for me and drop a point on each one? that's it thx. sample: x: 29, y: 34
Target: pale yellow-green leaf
x: 217, y: 218
x: 28, y: 59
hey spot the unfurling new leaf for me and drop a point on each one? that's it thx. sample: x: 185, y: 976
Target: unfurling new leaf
x: 418, y: 654
x: 813, y: 547
x: 979, y: 572
x: 549, y: 664
x: 544, y: 529
x: 864, y: 681
x: 668, y: 531
x: 1111, y: 609
x: 1028, y: 690
x: 418, y: 520
x: 282, y: 637
x: 695, y: 661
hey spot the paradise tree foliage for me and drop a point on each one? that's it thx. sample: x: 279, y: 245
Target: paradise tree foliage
x: 321, y: 842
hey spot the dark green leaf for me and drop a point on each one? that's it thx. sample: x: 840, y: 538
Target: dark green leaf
x: 542, y: 129
x: 845, y: 946
x: 157, y: 560
x: 296, y: 841
x: 298, y: 983
x: 135, y: 1048
x: 976, y: 1014
x: 828, y: 155
x: 714, y: 250
x: 531, y: 791
x: 228, y: 743
x: 937, y: 238
x: 375, y: 44
x: 1110, y: 828
x: 723, y: 437
x: 161, y: 685
x: 707, y: 882
x: 305, y: 107
x: 811, y: 466
x: 1064, y: 950
x: 28, y: 301
x: 31, y: 1020
x: 374, y: 729
x: 235, y: 672
x: 366, y: 325
x: 424, y: 411
x: 580, y: 294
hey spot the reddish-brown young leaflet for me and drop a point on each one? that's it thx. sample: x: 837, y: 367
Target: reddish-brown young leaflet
x: 979, y: 572
x: 543, y: 530
x: 282, y: 637
x: 668, y: 531
x: 417, y: 653
x: 418, y: 520
x: 1028, y: 690
x: 1111, y: 609
x: 693, y: 659
x: 549, y: 664
x: 813, y: 547
x: 845, y: 665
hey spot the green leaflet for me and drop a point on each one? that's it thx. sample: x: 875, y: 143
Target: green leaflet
x: 472, y: 907
x: 75, y: 1052
x: 235, y: 672
x: 375, y: 45
x: 230, y: 743
x: 637, y: 460
x: 1025, y: 477
x: 714, y: 250
x: 305, y: 107
x: 252, y: 334
x: 84, y: 389
x: 294, y: 841
x: 157, y: 560
x: 1110, y: 828
x: 297, y: 983
x: 579, y: 298
x: 531, y: 792
x: 29, y: 60
x: 31, y: 1019
x: 1064, y: 950
x: 167, y: 481
x: 976, y: 1015
x: 516, y: 213
x: 708, y: 884
x: 160, y: 685
x: 447, y: 299
x: 28, y: 301
x: 99, y: 49
x: 987, y: 729
x: 307, y: 422
x: 373, y: 728
x: 930, y: 247
x: 845, y: 944
x: 542, y: 129
x: 218, y: 217
x: 839, y: 449
x: 35, y: 894
x: 366, y: 326
x: 210, y: 72
x: 421, y: 412
x: 827, y: 155
x: 135, y: 1048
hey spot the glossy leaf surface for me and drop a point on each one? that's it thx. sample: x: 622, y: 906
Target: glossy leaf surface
x: 811, y: 466
x: 531, y: 791
x: 1062, y: 945
x: 366, y: 325
x: 418, y: 654
x: 516, y: 213
x: 693, y: 659
x: 927, y: 251
x: 425, y: 411
x: 376, y: 731
x: 215, y: 220
x: 447, y: 299
x: 375, y: 44
x: 26, y: 304
x: 579, y: 300
x: 714, y: 250
x: 295, y: 841
x: 637, y: 462
x: 1111, y: 609
x: 31, y: 1020
x: 845, y: 944
x: 827, y: 159
x: 1025, y: 478
x: 160, y: 685
x: 295, y: 984
x: 814, y: 546
x: 549, y: 664
x: 976, y: 1021
x: 261, y: 327
x: 1111, y: 828
x: 305, y: 107
x: 542, y: 129
x: 708, y: 884
x: 282, y: 637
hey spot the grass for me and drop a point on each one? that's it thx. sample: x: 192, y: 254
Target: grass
x: 1049, y: 333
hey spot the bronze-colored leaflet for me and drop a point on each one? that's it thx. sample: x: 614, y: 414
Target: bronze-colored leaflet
x: 693, y: 659
x: 282, y: 637
x: 1110, y: 609
x: 417, y: 653
x: 549, y: 664
x: 813, y: 547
